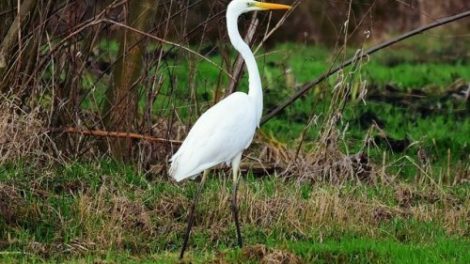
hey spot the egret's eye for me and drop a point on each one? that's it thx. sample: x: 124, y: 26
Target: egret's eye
x: 249, y: 4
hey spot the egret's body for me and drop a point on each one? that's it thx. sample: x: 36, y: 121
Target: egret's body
x: 219, y: 135
x: 226, y: 129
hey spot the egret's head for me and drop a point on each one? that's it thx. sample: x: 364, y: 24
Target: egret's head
x: 242, y: 6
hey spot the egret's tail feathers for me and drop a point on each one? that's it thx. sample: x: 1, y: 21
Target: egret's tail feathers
x: 173, y: 171
x: 177, y: 170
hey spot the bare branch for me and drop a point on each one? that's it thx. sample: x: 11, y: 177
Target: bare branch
x: 306, y: 87
x: 113, y: 134
x: 169, y: 43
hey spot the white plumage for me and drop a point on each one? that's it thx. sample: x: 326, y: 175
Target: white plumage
x: 218, y: 136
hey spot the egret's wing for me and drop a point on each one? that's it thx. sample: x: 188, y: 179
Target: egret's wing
x: 221, y: 133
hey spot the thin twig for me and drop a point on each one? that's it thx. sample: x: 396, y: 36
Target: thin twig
x: 115, y: 134
x: 278, y: 24
x: 167, y: 42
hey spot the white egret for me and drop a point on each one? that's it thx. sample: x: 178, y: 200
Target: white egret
x: 222, y: 133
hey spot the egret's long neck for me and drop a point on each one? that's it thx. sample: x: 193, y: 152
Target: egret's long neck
x: 254, y: 79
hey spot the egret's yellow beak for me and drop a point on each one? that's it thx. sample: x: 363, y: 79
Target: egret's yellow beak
x: 271, y: 6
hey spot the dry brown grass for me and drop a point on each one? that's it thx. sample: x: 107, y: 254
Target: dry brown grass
x: 141, y: 219
x: 264, y: 255
x: 21, y: 132
x: 110, y: 220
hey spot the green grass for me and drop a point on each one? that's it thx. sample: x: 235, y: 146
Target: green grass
x: 366, y: 250
x: 414, y: 65
x: 347, y: 250
x: 407, y: 68
x: 85, y: 212
x: 421, y: 64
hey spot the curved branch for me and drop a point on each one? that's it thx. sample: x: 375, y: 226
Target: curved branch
x: 306, y: 87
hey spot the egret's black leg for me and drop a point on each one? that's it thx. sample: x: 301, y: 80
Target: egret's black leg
x: 235, y: 213
x: 191, y: 213
x: 234, y: 207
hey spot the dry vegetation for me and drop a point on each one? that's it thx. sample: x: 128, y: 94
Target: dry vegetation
x: 64, y: 102
x: 84, y: 217
x: 53, y: 70
x: 21, y: 133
